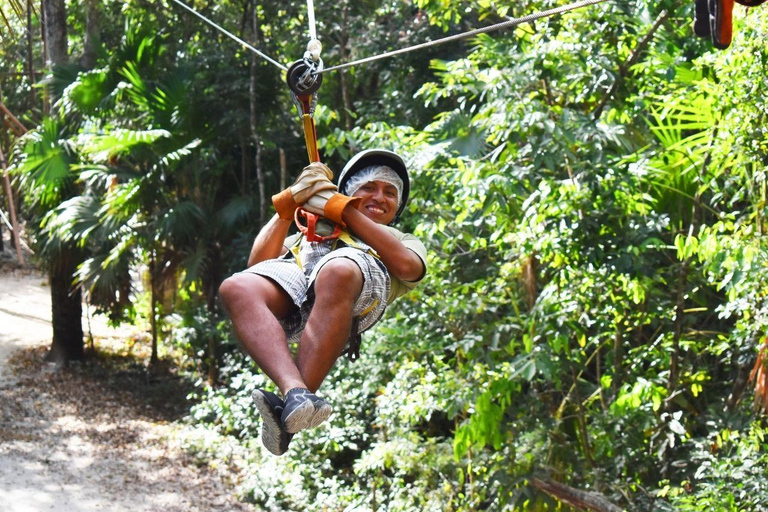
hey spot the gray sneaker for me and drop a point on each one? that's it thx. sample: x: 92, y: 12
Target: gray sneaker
x: 303, y: 409
x: 273, y: 435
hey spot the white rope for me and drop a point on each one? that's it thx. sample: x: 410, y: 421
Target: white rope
x: 505, y: 24
x: 246, y: 45
x: 311, y: 16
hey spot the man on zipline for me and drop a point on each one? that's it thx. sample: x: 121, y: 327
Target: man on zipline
x: 321, y: 294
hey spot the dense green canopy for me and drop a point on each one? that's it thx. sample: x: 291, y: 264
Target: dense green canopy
x: 591, y: 188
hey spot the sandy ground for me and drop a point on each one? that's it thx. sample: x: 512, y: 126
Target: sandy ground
x: 69, y: 443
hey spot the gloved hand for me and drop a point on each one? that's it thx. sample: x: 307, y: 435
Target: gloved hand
x: 315, y: 177
x: 330, y: 205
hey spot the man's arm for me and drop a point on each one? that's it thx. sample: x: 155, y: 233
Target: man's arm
x: 269, y: 241
x: 401, y: 262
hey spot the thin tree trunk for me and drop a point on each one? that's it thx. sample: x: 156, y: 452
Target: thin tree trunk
x: 56, y: 32
x: 13, y: 122
x: 344, y: 51
x: 682, y: 283
x: 11, y: 208
x: 245, y: 160
x: 30, y: 60
x: 3, y: 138
x: 153, y: 307
x: 283, y: 170
x: 43, y: 34
x: 211, y: 281
x: 580, y: 415
x: 254, y: 118
x: 618, y: 360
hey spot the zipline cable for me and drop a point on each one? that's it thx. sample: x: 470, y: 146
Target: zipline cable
x: 498, y: 26
x: 314, y: 47
x: 224, y: 31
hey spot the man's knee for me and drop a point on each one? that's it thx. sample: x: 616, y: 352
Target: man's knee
x: 231, y: 289
x: 341, y: 277
x: 252, y: 290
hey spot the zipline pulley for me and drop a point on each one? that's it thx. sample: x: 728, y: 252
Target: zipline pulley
x: 303, y: 76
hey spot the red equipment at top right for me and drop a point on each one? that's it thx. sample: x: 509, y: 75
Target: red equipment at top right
x: 714, y: 19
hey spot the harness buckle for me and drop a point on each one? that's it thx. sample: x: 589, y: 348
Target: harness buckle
x: 308, y: 230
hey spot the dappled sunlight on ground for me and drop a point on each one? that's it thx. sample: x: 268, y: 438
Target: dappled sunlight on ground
x: 97, y: 435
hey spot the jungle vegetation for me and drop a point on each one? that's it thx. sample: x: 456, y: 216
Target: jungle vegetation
x: 591, y: 188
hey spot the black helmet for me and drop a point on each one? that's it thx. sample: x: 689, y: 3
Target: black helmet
x: 371, y: 157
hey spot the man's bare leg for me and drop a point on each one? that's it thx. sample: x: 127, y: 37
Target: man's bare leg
x: 254, y: 303
x: 337, y: 287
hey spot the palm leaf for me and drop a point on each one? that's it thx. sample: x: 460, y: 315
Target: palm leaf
x: 183, y: 221
x: 176, y: 155
x: 74, y: 220
x: 235, y: 211
x: 102, y: 148
x: 44, y: 161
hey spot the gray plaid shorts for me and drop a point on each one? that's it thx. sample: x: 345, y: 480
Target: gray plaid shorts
x: 299, y: 284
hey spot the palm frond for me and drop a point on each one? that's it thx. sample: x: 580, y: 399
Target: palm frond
x: 74, y: 220
x: 89, y: 90
x: 235, y: 211
x: 182, y: 222
x: 102, y: 148
x: 176, y: 155
x: 107, y: 284
x: 44, y: 162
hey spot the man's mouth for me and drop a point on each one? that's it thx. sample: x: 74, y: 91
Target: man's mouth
x: 375, y: 209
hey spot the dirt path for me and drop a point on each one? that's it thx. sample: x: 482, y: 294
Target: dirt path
x: 96, y: 437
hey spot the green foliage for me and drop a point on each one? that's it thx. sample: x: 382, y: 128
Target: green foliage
x: 595, y: 225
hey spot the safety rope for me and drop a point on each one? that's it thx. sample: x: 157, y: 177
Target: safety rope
x: 498, y: 26
x: 311, y: 17
x: 224, y: 31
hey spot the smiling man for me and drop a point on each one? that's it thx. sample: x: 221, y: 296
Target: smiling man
x: 323, y: 295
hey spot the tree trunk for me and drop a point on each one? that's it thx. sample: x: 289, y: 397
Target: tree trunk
x: 55, y: 32
x: 30, y: 60
x: 618, y: 361
x: 92, y: 38
x: 254, y: 114
x: 576, y: 498
x: 153, y: 308
x: 43, y: 35
x: 66, y: 311
x: 2, y: 142
x: 344, y: 51
x: 211, y: 281
x: 11, y: 207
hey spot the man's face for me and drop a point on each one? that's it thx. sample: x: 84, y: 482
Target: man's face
x: 379, y: 201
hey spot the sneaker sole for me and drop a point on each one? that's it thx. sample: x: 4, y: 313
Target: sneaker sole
x: 270, y: 427
x: 306, y: 416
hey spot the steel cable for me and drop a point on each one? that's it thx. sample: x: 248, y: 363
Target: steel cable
x: 224, y: 31
x: 498, y: 26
